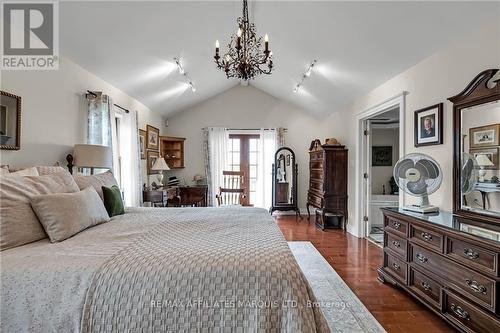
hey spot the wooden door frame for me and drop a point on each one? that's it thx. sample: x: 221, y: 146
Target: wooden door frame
x: 245, y: 161
x: 358, y: 228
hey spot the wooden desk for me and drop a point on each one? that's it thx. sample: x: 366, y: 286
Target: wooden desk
x: 177, y: 196
x: 160, y: 198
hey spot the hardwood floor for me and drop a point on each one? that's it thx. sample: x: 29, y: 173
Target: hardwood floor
x: 356, y: 261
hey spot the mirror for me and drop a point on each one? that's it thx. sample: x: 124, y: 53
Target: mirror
x: 10, y: 121
x: 285, y: 181
x: 480, y: 172
x: 476, y: 148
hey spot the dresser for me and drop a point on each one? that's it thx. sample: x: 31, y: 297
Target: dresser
x: 449, y: 263
x: 327, y: 182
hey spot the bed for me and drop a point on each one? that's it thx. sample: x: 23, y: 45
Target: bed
x: 152, y: 269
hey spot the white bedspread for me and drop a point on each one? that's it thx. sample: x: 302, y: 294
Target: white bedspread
x: 44, y: 286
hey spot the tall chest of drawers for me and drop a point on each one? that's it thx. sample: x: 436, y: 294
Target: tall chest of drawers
x: 327, y: 181
x: 449, y: 264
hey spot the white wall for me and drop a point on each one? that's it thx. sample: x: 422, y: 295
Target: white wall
x: 431, y: 81
x: 248, y: 107
x: 53, y: 116
x: 382, y: 174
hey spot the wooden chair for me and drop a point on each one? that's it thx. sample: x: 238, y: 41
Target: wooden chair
x: 231, y: 192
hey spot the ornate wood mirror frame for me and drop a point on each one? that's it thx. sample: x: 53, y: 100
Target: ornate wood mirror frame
x: 285, y: 197
x: 481, y: 90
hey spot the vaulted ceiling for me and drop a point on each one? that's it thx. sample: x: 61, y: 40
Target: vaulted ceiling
x: 358, y: 45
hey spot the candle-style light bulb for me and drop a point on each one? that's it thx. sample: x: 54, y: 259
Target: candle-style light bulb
x: 239, y: 32
x: 266, y: 43
x: 266, y: 38
x: 217, y: 44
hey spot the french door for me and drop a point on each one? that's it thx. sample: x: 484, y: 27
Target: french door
x: 243, y: 155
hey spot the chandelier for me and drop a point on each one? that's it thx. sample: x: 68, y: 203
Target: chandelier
x: 244, y: 58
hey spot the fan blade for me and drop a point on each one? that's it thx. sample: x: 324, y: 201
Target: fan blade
x: 427, y: 169
x: 403, y: 166
x: 417, y: 188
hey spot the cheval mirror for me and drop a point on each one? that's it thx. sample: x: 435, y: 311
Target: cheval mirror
x: 476, y: 113
x: 285, y: 171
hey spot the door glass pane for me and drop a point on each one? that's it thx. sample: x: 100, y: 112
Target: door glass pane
x: 254, y: 144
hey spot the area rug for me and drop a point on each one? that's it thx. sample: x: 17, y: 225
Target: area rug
x: 342, y: 308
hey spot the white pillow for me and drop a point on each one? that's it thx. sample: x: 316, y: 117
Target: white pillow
x: 24, y: 172
x: 66, y: 214
x: 96, y: 181
x: 18, y: 223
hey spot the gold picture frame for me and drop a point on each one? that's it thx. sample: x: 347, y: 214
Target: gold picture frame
x: 152, y: 138
x: 484, y: 136
x: 142, y: 143
x: 10, y: 121
x: 150, y: 160
x: 491, y: 153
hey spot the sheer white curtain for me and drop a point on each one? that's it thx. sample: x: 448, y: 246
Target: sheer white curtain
x: 130, y: 159
x: 218, y: 139
x: 267, y: 142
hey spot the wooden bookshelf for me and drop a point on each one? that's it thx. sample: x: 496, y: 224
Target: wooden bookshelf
x: 172, y: 150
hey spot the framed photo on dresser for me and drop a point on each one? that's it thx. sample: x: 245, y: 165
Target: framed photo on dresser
x: 428, y: 126
x: 152, y: 138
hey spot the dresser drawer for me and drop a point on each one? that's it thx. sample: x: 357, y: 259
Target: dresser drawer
x: 396, y: 244
x: 316, y: 155
x: 473, y: 256
x: 397, y: 227
x: 316, y: 185
x: 470, y: 283
x: 472, y: 317
x: 316, y: 165
x: 396, y: 267
x: 426, y: 238
x: 314, y: 200
x: 426, y: 287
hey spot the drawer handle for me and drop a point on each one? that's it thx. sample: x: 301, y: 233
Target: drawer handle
x: 425, y: 285
x: 426, y: 236
x: 471, y: 254
x: 396, y: 243
x: 474, y: 285
x: 396, y: 225
x: 396, y: 266
x: 421, y: 258
x: 460, y: 312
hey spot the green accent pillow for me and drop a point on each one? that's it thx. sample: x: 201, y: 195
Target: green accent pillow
x: 113, y: 200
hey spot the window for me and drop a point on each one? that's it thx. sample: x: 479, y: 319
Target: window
x: 243, y: 155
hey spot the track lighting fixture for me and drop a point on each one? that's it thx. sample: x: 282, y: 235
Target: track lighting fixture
x: 306, y: 74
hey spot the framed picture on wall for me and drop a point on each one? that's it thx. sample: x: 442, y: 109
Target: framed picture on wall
x: 151, y: 157
x: 153, y: 138
x: 484, y: 136
x: 142, y: 143
x: 382, y: 156
x: 428, y: 126
x: 490, y: 153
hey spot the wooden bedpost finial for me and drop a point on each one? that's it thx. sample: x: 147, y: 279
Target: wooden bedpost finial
x: 70, y: 164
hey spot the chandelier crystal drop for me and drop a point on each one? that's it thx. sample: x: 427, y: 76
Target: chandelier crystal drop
x: 244, y: 58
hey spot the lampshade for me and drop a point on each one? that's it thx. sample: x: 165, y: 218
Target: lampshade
x: 160, y: 165
x: 93, y: 156
x: 483, y: 160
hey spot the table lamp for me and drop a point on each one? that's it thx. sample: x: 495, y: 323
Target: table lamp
x: 93, y: 156
x: 160, y: 165
x: 483, y: 161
